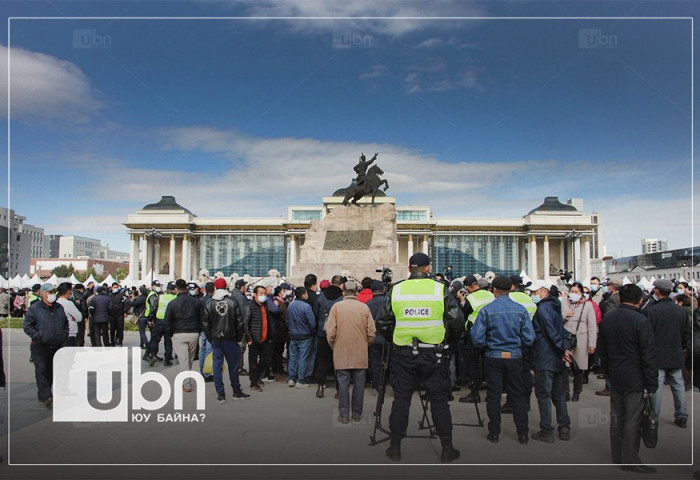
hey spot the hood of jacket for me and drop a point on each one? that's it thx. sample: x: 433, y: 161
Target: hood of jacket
x: 333, y: 292
x: 220, y: 294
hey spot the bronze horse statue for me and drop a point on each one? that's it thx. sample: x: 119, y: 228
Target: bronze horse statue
x: 369, y: 187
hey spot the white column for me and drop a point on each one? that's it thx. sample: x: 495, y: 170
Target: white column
x: 171, y: 258
x: 425, y: 245
x: 489, y: 257
x: 397, y: 248
x: 144, y: 258
x: 156, y: 260
x: 577, y: 260
x: 586, y: 260
x: 134, y: 257
x: 532, y: 264
x: 410, y: 246
x: 561, y: 253
x: 523, y: 259
x: 545, y: 254
x: 292, y: 252
x: 185, y: 257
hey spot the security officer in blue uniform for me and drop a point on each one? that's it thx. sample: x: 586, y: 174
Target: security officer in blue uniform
x: 419, y: 316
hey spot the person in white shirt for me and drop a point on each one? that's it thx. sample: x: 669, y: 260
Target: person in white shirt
x: 64, y: 292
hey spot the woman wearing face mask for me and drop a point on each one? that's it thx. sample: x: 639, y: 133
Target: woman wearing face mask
x: 580, y: 320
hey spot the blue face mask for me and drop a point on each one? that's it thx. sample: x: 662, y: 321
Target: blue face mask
x: 605, y: 289
x: 193, y: 292
x: 535, y: 298
x: 655, y: 297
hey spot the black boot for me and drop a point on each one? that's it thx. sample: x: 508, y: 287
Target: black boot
x: 449, y: 453
x: 394, y: 450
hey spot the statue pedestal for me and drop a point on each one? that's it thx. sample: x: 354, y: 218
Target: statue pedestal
x: 354, y: 240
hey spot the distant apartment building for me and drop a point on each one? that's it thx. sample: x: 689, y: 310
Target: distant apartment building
x: 19, y: 243
x: 653, y: 245
x: 44, y: 266
x: 51, y: 245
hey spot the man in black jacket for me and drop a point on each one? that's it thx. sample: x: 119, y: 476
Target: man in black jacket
x: 672, y: 332
x: 550, y: 350
x: 629, y: 360
x: 259, y: 341
x: 330, y: 296
x: 46, y: 324
x: 376, y: 304
x: 182, y: 319
x: 223, y: 326
x: 116, y: 315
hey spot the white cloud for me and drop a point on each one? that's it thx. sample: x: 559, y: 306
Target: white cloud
x: 46, y: 88
x: 360, y: 8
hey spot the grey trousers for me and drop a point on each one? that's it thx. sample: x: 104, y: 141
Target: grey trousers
x: 358, y: 390
x: 626, y: 426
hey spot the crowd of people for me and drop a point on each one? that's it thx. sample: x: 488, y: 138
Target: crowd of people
x: 498, y: 333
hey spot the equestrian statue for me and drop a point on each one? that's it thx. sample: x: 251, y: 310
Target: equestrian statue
x: 367, y: 181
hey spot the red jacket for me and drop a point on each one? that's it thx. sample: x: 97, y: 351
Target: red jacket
x: 365, y: 295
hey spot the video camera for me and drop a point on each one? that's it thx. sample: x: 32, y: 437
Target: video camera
x: 566, y: 276
x: 386, y: 274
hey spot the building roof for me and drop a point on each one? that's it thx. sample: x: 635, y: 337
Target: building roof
x: 552, y: 204
x: 167, y: 202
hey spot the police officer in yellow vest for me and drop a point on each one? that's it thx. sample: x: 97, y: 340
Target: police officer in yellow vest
x: 518, y: 295
x: 478, y: 297
x: 151, y: 306
x: 156, y: 319
x: 419, y: 314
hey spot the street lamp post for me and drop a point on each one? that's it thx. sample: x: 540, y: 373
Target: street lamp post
x: 153, y: 235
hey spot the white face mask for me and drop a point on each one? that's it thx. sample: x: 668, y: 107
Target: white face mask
x: 262, y: 298
x: 535, y: 298
x: 681, y: 291
x: 115, y: 290
x: 193, y: 292
x: 574, y: 297
x: 51, y: 298
x: 594, y: 288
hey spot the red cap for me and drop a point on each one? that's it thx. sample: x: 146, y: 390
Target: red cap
x: 220, y: 284
x: 324, y: 284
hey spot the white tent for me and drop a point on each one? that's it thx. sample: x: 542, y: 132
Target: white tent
x: 90, y: 279
x: 3, y: 282
x: 150, y: 275
x: 16, y: 282
x: 109, y: 280
x: 681, y: 279
x: 626, y: 281
x: 53, y: 279
x: 36, y: 279
x: 26, y: 281
x: 73, y: 279
x: 525, y: 278
x: 692, y: 283
x: 652, y: 280
x: 647, y: 284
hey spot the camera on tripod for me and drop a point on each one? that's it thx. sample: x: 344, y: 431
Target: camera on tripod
x: 386, y: 274
x: 566, y: 275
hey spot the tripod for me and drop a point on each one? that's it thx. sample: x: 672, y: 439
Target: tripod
x: 424, y: 422
x: 480, y: 421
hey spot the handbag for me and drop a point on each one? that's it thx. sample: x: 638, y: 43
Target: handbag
x: 650, y: 423
x: 131, y: 317
x: 573, y: 340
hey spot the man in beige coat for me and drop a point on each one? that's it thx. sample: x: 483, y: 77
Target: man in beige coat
x: 350, y: 330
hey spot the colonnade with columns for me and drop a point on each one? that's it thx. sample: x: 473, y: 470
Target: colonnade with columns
x: 180, y: 246
x: 570, y: 252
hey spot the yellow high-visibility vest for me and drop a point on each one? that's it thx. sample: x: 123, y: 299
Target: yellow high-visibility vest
x: 418, y: 305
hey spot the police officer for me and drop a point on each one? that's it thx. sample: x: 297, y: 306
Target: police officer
x: 419, y: 315
x: 477, y: 298
x: 503, y: 328
x: 151, y: 308
x: 156, y: 321
x: 518, y: 295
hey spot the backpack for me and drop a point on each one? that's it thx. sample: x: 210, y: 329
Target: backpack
x: 596, y: 309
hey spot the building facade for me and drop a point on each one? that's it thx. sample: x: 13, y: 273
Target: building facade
x: 44, y: 266
x: 176, y: 243
x: 653, y: 245
x: 670, y: 264
x: 19, y: 243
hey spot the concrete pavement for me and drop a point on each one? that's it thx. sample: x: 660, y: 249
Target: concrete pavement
x: 288, y: 426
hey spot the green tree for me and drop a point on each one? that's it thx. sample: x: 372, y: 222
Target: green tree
x: 82, y: 276
x: 121, y: 273
x: 63, y: 271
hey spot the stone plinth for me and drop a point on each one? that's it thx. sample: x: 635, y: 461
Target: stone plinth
x: 357, y: 239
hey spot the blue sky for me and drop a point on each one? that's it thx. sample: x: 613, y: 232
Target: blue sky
x: 473, y: 117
